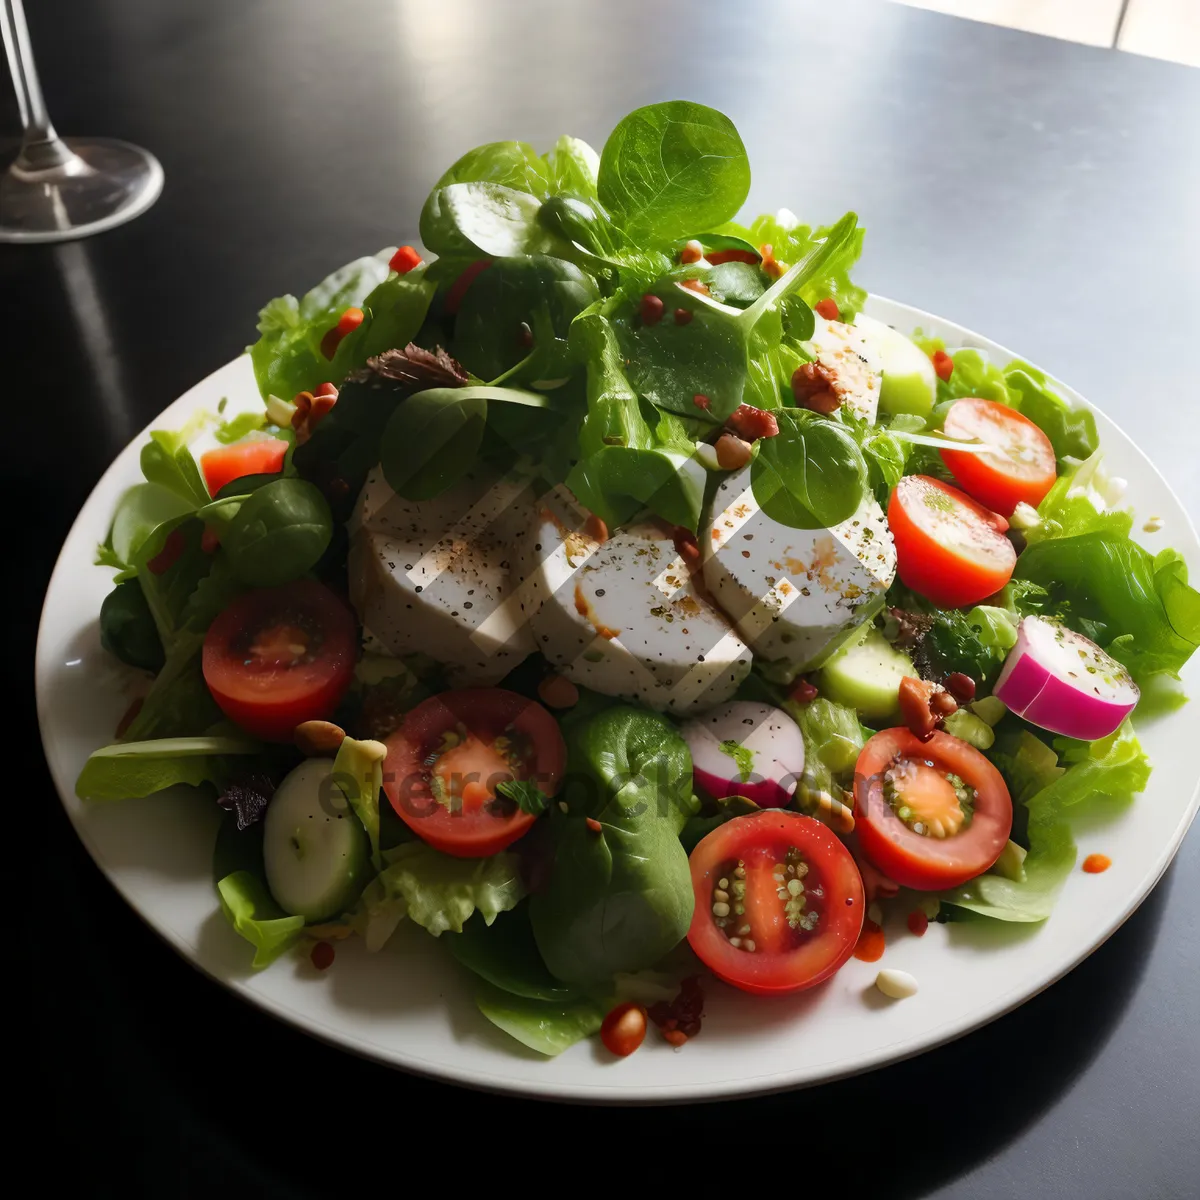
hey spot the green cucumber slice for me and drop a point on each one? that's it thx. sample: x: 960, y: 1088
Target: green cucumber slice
x: 315, y: 852
x: 865, y: 674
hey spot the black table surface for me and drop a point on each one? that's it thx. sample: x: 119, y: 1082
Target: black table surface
x: 1043, y: 192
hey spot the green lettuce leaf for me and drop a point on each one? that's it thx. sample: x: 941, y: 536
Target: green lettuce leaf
x: 1072, y: 431
x: 1081, y: 777
x: 833, y: 738
x: 252, y: 912
x: 440, y: 892
x: 1140, y: 608
x: 287, y: 357
x: 127, y: 770
x: 791, y: 241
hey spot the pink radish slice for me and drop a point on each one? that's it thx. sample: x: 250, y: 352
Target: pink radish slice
x: 1058, y: 679
x: 763, y: 755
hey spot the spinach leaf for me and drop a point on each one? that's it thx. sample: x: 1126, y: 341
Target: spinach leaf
x: 513, y: 164
x: 472, y: 219
x: 279, y: 533
x: 126, y: 770
x: 668, y: 169
x: 736, y: 283
x: 431, y: 439
x: 178, y: 703
x: 127, y: 629
x: 626, y: 462
x: 345, y: 445
x: 710, y: 353
x: 139, y: 512
x: 618, y: 898
x: 573, y: 166
x: 545, y: 294
x: 506, y: 955
x: 812, y: 475
x: 547, y: 1026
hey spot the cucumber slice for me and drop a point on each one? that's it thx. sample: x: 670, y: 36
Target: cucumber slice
x: 909, y: 381
x: 865, y: 674
x: 315, y: 852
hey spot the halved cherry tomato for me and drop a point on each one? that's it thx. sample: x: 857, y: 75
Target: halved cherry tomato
x: 260, y: 456
x: 947, y: 545
x: 912, y: 822
x: 279, y: 656
x: 445, y: 761
x: 1022, y: 468
x: 404, y: 260
x: 779, y: 902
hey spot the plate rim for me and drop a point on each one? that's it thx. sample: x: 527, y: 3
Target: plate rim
x: 602, y: 1093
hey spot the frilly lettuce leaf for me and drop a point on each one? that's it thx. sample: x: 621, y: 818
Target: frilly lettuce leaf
x: 437, y: 891
x: 1051, y: 786
x: 252, y: 912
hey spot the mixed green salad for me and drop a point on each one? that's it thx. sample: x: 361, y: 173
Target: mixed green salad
x: 600, y: 589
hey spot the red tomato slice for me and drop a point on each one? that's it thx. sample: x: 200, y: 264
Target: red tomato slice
x: 279, y: 656
x: 1022, y: 467
x: 446, y: 759
x: 909, y: 819
x: 948, y: 547
x: 801, y: 896
x: 262, y: 456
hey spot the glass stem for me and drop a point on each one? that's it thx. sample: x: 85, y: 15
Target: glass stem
x: 40, y: 147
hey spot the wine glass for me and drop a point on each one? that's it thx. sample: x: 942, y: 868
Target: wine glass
x: 62, y: 188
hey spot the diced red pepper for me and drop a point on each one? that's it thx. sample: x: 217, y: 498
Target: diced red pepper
x: 404, y: 260
x: 943, y: 365
x: 700, y: 400
x: 695, y: 285
x: 691, y: 252
x: 683, y: 316
x: 828, y: 309
x: 348, y: 322
x: 716, y: 257
x: 651, y: 309
x: 168, y: 556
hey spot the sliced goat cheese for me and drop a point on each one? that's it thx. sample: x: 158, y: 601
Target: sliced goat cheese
x: 431, y: 576
x: 793, y: 594
x: 853, y: 360
x: 624, y: 617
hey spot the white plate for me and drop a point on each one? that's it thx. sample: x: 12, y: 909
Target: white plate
x: 410, y: 1006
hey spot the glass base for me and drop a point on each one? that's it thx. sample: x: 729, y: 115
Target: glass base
x: 96, y: 184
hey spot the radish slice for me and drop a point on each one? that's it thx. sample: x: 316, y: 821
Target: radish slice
x: 1060, y: 680
x: 746, y: 749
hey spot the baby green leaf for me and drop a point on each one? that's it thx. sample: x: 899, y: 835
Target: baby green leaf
x: 812, y: 475
x: 669, y: 169
x: 432, y: 438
